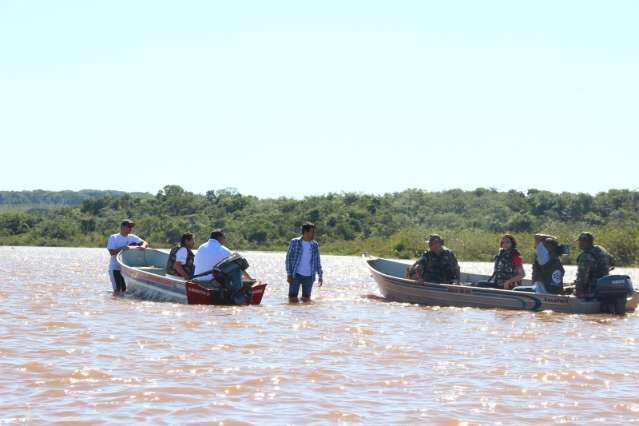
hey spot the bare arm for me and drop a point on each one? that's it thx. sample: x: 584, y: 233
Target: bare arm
x: 520, y: 276
x: 180, y: 270
x: 118, y: 250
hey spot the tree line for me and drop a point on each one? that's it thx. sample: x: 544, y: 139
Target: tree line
x: 392, y: 224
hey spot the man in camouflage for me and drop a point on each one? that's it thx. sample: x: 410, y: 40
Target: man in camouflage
x: 437, y: 265
x: 593, y: 263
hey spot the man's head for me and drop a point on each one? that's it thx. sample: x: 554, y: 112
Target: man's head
x: 308, y: 231
x: 539, y: 238
x: 218, y: 235
x: 585, y: 240
x: 552, y: 245
x: 435, y: 243
x: 126, y: 226
x: 187, y: 240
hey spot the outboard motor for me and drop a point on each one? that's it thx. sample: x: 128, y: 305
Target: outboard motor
x: 612, y: 291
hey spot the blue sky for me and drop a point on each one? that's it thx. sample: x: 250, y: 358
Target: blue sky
x: 298, y: 98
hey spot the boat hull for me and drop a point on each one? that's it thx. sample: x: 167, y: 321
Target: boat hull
x: 396, y: 288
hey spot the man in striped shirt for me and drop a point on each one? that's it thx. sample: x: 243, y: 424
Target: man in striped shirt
x: 303, y: 264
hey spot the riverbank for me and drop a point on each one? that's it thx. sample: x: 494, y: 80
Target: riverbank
x: 468, y: 245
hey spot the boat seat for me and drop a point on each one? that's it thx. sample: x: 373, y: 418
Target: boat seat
x: 153, y: 269
x: 485, y: 284
x: 525, y: 288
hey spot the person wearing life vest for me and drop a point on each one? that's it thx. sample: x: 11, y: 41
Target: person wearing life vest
x: 437, y: 265
x: 593, y: 263
x: 548, y: 277
x: 509, y: 270
x: 181, y: 258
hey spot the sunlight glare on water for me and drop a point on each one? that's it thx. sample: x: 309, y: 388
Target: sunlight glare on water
x: 72, y: 352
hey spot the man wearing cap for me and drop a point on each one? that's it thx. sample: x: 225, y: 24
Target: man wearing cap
x: 438, y: 264
x: 593, y: 263
x: 117, y: 243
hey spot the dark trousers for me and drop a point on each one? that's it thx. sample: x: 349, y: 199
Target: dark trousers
x: 233, y: 282
x: 117, y: 281
x: 305, y: 282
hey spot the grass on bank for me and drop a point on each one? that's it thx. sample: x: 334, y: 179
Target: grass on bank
x: 468, y: 244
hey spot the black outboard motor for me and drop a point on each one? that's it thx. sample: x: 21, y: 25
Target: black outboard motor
x: 612, y: 292
x: 221, y: 273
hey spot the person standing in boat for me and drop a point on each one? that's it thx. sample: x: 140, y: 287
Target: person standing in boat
x: 181, y: 258
x: 541, y: 255
x: 549, y: 276
x: 593, y: 263
x: 437, y: 265
x: 209, y: 255
x: 509, y: 270
x: 117, y: 243
x: 303, y: 264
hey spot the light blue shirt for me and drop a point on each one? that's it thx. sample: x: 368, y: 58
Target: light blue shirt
x: 542, y: 254
x: 304, y: 267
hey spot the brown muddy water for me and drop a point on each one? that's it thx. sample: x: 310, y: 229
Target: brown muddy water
x: 70, y: 352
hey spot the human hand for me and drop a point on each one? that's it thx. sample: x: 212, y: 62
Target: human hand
x: 320, y: 282
x: 289, y: 279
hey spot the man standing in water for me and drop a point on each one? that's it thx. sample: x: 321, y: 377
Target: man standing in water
x: 117, y: 243
x: 303, y: 264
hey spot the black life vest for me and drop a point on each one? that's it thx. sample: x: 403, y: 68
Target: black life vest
x: 551, y: 275
x: 188, y: 266
x: 505, y: 267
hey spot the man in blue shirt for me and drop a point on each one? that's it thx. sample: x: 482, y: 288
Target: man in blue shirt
x: 303, y: 264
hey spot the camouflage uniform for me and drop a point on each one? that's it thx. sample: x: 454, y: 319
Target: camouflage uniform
x: 438, y: 268
x: 592, y: 264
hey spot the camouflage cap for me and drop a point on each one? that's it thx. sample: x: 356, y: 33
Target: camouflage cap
x: 587, y: 236
x: 127, y: 222
x: 435, y: 238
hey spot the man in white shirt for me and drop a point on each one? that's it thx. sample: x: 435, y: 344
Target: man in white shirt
x: 117, y: 243
x: 210, y: 254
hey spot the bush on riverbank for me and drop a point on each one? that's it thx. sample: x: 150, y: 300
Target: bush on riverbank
x: 392, y: 225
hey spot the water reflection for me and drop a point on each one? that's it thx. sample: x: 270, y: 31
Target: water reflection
x: 71, y: 352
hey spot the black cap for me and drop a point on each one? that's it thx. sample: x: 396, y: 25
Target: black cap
x: 587, y: 236
x: 127, y: 222
x: 434, y: 238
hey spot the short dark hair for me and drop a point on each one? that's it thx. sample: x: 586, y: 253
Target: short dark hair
x: 307, y: 226
x: 217, y: 234
x: 186, y: 237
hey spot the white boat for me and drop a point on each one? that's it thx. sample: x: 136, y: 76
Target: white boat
x: 617, y: 294
x: 144, y: 272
